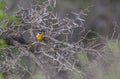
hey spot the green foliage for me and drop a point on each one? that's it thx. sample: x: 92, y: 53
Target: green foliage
x: 25, y: 62
x: 83, y: 62
x: 113, y: 45
x: 12, y: 18
x: 2, y: 4
x: 113, y: 71
x: 15, y: 51
x: 2, y: 15
x: 2, y: 44
x: 2, y: 57
x: 3, y: 26
x: 1, y: 76
x: 83, y: 58
x: 76, y: 75
x: 5, y: 18
x: 111, y: 67
x: 85, y: 3
x: 38, y: 76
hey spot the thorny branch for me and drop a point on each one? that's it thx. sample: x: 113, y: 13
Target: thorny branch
x: 56, y: 48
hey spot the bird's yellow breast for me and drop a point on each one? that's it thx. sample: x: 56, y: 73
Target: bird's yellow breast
x: 39, y: 37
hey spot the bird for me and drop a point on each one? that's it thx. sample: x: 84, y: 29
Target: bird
x: 39, y: 37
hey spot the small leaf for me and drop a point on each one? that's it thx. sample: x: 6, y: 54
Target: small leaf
x: 4, y: 26
x: 83, y: 58
x: 2, y: 57
x: 12, y: 18
x: 114, y: 45
x: 2, y: 15
x: 2, y: 4
x: 2, y: 44
x: 76, y: 75
x: 1, y: 76
x: 38, y: 76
